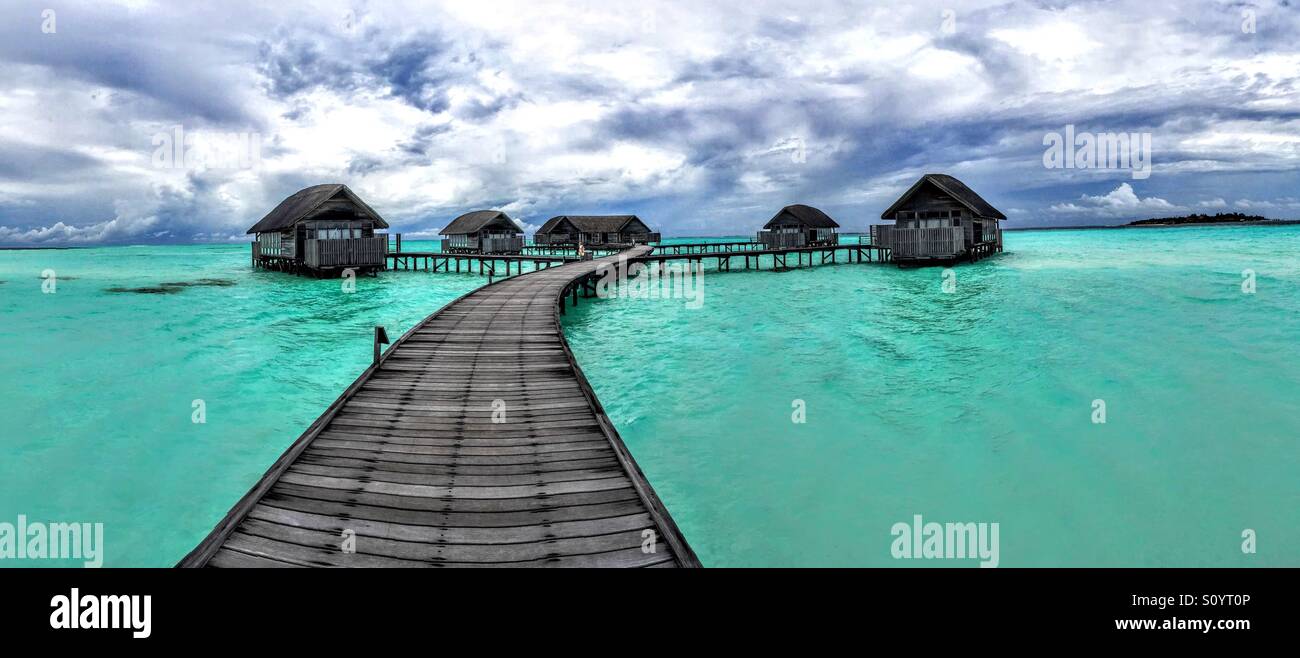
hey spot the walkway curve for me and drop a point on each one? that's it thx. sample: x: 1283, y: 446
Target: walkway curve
x: 408, y: 468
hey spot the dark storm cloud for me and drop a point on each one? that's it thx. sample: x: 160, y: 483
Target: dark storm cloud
x: 292, y: 66
x: 26, y: 162
x: 111, y: 47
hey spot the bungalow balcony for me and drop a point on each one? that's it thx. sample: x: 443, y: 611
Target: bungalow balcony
x: 788, y: 239
x: 936, y: 243
x: 345, y: 252
x: 594, y: 239
x: 491, y: 244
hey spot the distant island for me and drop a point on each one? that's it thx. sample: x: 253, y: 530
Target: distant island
x: 1223, y: 218
x: 1218, y: 218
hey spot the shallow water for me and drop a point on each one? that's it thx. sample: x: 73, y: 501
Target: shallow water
x: 970, y: 406
x: 100, y: 379
x: 975, y: 406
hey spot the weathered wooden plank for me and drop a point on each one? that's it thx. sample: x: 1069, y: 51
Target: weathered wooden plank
x: 521, y: 407
x: 430, y: 551
x: 450, y: 439
x: 461, y: 519
x: 433, y: 455
x: 470, y: 419
x: 390, y: 474
x: 387, y: 381
x: 436, y: 491
x: 442, y: 464
x: 541, y: 505
x: 442, y: 533
x: 377, y: 421
x: 228, y: 558
x: 539, y: 450
x: 469, y: 435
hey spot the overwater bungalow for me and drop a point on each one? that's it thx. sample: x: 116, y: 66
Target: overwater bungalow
x: 483, y: 232
x: 939, y: 219
x: 594, y: 231
x: 321, y: 230
x: 798, y: 226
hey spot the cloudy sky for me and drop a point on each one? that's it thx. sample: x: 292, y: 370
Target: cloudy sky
x: 702, y: 117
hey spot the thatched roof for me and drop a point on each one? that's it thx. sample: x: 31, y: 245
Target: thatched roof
x: 801, y: 214
x: 473, y: 222
x: 953, y: 188
x: 301, y: 204
x: 591, y: 223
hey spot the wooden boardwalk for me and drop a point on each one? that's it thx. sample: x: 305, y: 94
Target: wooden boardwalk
x: 435, y: 261
x: 411, y: 464
x: 821, y: 254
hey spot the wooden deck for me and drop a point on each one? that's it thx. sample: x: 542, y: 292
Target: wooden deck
x: 437, y: 261
x: 804, y: 256
x: 410, y: 462
x: 933, y: 246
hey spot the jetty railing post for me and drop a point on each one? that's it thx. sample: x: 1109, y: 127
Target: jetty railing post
x: 381, y: 338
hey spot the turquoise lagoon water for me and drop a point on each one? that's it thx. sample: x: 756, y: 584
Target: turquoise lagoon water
x: 975, y: 406
x: 969, y: 406
x: 97, y: 387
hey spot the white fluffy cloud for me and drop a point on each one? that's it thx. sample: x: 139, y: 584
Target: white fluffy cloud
x: 1288, y: 203
x: 1120, y: 201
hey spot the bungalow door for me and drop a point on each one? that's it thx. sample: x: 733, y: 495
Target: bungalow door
x: 979, y: 232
